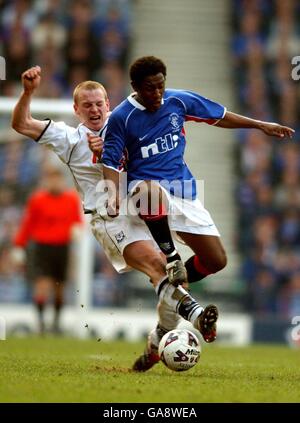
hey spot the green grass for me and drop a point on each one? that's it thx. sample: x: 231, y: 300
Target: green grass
x: 70, y: 370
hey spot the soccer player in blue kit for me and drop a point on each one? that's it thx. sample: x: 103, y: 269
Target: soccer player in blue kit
x: 149, y: 127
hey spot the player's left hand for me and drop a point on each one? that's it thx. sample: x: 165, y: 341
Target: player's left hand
x: 276, y: 130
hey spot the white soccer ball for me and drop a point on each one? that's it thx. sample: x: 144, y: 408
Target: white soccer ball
x: 179, y: 349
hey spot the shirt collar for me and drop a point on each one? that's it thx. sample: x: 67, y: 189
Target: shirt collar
x: 136, y: 104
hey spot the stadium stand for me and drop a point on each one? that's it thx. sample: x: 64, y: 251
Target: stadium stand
x: 265, y: 39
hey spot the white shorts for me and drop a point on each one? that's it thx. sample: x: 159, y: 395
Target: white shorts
x: 188, y: 216
x: 115, y: 234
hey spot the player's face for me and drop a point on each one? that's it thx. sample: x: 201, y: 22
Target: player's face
x: 92, y: 108
x: 150, y: 91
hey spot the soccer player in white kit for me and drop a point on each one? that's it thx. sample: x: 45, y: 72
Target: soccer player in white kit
x: 126, y: 241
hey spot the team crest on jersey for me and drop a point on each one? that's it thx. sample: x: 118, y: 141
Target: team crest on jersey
x: 174, y: 121
x: 120, y: 236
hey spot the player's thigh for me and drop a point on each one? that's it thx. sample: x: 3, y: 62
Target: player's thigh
x: 126, y: 242
x: 42, y: 286
x: 209, y: 248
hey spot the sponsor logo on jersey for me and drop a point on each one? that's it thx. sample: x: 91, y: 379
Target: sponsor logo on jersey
x: 160, y: 145
x: 142, y: 138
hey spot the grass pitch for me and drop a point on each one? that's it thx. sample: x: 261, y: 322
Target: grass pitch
x: 69, y: 370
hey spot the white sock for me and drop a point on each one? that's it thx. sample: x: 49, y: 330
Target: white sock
x: 178, y: 301
x: 168, y: 319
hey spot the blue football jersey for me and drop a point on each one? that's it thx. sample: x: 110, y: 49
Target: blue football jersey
x: 154, y: 142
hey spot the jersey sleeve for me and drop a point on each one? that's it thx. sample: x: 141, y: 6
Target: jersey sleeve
x: 58, y: 137
x: 202, y: 109
x: 114, y: 143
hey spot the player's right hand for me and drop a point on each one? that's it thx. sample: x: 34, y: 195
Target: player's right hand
x: 31, y: 79
x: 95, y: 144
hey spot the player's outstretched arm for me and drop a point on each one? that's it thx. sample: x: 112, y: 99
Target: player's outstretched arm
x: 22, y: 121
x: 233, y: 120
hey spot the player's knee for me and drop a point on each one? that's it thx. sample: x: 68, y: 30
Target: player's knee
x: 215, y: 262
x: 219, y: 262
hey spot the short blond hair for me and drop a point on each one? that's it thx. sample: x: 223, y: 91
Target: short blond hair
x: 88, y: 85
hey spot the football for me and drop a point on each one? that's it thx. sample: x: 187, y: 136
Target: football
x: 179, y: 349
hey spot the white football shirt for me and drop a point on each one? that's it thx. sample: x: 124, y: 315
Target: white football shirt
x: 71, y: 146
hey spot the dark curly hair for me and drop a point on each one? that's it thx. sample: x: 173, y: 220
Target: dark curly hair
x: 146, y: 66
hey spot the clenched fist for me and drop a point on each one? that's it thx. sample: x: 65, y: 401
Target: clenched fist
x: 31, y: 79
x: 95, y: 144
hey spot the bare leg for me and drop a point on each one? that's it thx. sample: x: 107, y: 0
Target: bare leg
x: 142, y: 256
x: 153, y: 209
x: 42, y: 286
x: 58, y: 303
x: 210, y: 256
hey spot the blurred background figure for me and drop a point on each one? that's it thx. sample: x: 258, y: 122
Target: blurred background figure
x: 50, y: 218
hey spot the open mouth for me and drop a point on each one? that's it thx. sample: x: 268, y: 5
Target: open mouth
x: 95, y: 118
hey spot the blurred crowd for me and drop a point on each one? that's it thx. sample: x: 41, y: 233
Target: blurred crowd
x: 72, y: 41
x: 266, y: 36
